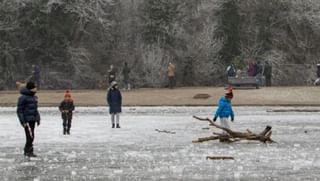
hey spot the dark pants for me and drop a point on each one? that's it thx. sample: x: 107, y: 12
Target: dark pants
x: 29, y: 131
x: 67, y: 119
x: 126, y: 83
x: 38, y: 82
x: 171, y: 82
x: 268, y: 81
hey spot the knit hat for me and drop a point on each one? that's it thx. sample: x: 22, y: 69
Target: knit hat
x: 113, y: 83
x: 67, y: 94
x: 229, y: 93
x: 30, y: 85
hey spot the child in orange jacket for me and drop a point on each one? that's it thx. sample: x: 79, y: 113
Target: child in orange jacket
x: 66, y: 107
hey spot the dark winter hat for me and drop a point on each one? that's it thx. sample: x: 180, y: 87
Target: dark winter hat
x: 30, y: 85
x: 229, y: 93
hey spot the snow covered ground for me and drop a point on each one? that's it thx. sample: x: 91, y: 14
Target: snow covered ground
x: 94, y: 151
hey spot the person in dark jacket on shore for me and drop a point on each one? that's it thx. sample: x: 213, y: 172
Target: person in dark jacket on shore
x: 126, y: 71
x: 28, y: 114
x: 36, y: 75
x: 224, y: 110
x: 268, y: 73
x: 114, y: 100
x: 66, y: 107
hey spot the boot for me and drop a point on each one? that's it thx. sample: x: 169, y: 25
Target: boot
x: 28, y: 152
x: 25, y: 153
x: 112, y: 125
x: 68, y: 131
x: 118, y: 126
x: 64, y: 131
x: 32, y: 155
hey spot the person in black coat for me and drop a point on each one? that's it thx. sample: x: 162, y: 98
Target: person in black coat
x: 268, y: 73
x: 126, y: 71
x: 66, y: 107
x: 28, y: 114
x: 114, y: 100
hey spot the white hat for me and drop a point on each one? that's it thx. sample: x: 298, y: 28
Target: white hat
x: 113, y: 83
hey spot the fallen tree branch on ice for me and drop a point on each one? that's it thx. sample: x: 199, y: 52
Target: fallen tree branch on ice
x: 232, y: 136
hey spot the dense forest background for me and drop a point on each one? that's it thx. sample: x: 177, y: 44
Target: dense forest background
x: 75, y: 41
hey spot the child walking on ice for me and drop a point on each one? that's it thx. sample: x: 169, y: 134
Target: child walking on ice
x: 114, y: 100
x: 66, y: 107
x: 224, y: 110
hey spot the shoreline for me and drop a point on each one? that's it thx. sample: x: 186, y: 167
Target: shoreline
x: 179, y: 97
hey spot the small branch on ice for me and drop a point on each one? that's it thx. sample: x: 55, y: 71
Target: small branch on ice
x: 165, y: 131
x: 219, y: 158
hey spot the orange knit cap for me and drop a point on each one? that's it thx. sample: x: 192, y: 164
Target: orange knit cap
x: 67, y: 94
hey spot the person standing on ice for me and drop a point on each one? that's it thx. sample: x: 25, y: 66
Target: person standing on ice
x: 114, y: 100
x: 224, y: 110
x: 28, y: 114
x: 66, y: 107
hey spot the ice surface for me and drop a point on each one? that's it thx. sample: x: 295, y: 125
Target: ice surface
x: 94, y: 151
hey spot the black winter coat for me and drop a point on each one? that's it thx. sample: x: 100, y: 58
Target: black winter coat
x: 27, y: 107
x: 114, y: 100
x: 66, y: 106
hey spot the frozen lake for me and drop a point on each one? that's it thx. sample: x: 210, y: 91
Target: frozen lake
x: 94, y: 151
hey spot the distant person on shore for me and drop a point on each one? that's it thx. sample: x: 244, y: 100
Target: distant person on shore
x: 268, y: 73
x: 317, y: 81
x: 171, y: 75
x: 125, y: 72
x: 231, y: 71
x: 111, y: 74
x: 259, y: 72
x: 224, y: 110
x: 36, y: 75
x: 250, y: 68
x: 20, y: 85
x: 114, y: 100
x: 66, y: 108
x: 28, y: 114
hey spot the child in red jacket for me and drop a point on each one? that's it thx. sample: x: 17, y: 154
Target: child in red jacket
x: 66, y: 107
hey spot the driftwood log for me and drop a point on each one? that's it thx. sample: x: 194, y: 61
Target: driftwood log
x: 201, y: 96
x: 233, y: 136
